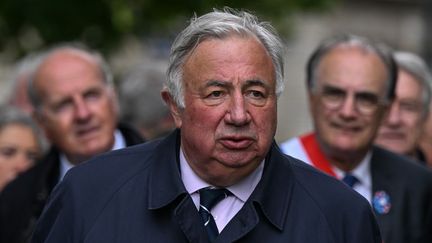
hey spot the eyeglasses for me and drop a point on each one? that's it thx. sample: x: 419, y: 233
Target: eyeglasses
x: 365, y: 103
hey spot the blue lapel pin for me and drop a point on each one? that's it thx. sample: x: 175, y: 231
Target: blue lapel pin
x: 381, y: 202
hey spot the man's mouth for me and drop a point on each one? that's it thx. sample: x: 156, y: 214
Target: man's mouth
x: 87, y: 132
x: 347, y: 129
x: 236, y: 143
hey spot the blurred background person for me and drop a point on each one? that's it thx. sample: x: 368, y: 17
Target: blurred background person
x: 401, y: 130
x: 141, y: 103
x: 76, y: 106
x: 23, y: 71
x: 351, y: 84
x: 21, y: 143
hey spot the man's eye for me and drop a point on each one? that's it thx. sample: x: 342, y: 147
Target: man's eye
x: 214, y: 97
x: 255, y: 94
x: 61, y: 106
x: 334, y: 94
x: 216, y: 94
x: 93, y: 95
x: 367, y: 99
x: 410, y: 106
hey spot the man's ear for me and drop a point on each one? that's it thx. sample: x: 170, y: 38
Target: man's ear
x: 172, y: 105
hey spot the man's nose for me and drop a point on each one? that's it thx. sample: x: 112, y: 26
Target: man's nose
x: 348, y: 108
x: 393, y: 117
x: 238, y: 114
x: 82, y: 111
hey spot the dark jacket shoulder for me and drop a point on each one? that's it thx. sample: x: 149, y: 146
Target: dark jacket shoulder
x: 399, y: 169
x: 119, y: 164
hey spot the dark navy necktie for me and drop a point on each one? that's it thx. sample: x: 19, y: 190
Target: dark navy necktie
x: 209, y: 197
x: 350, y: 180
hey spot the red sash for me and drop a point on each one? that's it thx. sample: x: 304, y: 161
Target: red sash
x: 315, y: 154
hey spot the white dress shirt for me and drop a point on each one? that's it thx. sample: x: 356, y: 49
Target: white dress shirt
x: 363, y: 175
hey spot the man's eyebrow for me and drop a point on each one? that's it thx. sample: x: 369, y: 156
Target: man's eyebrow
x: 332, y: 87
x: 216, y: 83
x: 254, y: 82
x: 259, y: 83
x: 248, y: 83
x: 360, y: 92
x: 367, y: 93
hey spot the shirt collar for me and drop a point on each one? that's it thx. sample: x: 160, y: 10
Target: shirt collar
x: 361, y: 172
x: 242, y: 190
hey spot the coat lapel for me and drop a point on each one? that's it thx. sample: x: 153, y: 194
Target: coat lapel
x: 189, y: 221
x: 383, y: 189
x: 273, y: 193
x: 244, y: 222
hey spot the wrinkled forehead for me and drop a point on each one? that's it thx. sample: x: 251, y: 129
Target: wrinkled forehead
x: 234, y: 55
x: 246, y: 35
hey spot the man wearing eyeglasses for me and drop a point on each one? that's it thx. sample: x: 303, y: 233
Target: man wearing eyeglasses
x: 351, y: 86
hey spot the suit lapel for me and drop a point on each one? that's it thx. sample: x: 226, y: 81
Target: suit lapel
x: 383, y: 185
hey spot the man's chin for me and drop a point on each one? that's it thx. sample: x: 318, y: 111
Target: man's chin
x: 227, y: 173
x: 348, y: 147
x: 237, y: 160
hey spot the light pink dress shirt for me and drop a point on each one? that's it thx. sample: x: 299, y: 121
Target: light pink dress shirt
x: 226, y: 209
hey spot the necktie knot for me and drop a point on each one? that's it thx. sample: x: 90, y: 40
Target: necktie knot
x: 209, y: 197
x: 350, y: 180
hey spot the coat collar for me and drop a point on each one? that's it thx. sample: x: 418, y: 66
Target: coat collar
x: 272, y: 194
x: 166, y: 189
x: 165, y: 184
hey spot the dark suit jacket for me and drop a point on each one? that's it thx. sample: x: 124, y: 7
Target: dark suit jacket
x: 409, y: 187
x: 22, y: 201
x: 136, y: 195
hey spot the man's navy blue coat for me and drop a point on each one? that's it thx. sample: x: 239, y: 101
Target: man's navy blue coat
x: 136, y: 195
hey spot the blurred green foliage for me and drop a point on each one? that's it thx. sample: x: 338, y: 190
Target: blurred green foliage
x: 26, y: 25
